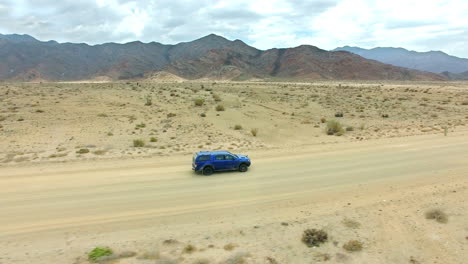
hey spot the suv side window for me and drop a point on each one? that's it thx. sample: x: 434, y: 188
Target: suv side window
x: 203, y: 158
x: 229, y: 157
x: 219, y: 157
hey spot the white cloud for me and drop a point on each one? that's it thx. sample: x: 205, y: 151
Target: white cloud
x: 417, y: 24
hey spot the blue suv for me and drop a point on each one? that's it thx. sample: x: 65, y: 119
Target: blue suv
x: 208, y: 162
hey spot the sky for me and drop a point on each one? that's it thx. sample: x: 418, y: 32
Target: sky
x: 420, y: 25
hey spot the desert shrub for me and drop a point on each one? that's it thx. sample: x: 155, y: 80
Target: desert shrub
x: 334, y: 128
x: 83, y: 151
x: 199, y: 101
x: 100, y: 152
x: 217, y: 98
x: 189, y: 248
x: 102, y: 115
x: 171, y: 115
x: 21, y: 119
x: 237, y: 127
x: 148, y: 100
x: 229, y: 246
x: 142, y: 125
x: 464, y: 103
x: 314, y: 237
x: 437, y: 215
x: 203, y: 115
x: 349, y: 128
x: 339, y: 114
x: 219, y: 108
x: 384, y: 115
x: 3, y: 118
x: 39, y: 111
x: 254, y: 132
x: 138, y: 143
x: 110, y: 134
x: 353, y: 245
x: 98, y: 252
x: 153, y: 139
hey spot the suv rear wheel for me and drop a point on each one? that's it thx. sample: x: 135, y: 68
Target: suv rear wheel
x: 243, y: 168
x: 207, y: 171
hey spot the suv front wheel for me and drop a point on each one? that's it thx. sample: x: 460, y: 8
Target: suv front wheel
x: 243, y: 168
x: 207, y: 171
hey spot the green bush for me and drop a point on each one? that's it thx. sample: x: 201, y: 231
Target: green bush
x: 98, y: 252
x: 334, y: 128
x: 138, y: 143
x: 199, y: 101
x: 219, y: 108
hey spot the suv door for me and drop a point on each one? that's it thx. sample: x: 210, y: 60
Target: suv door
x: 220, y: 162
x: 231, y: 162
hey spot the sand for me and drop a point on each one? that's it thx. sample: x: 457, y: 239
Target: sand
x: 373, y: 185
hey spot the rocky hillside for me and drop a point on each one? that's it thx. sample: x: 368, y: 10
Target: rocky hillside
x: 24, y: 58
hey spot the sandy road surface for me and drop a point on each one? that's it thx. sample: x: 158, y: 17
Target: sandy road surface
x: 44, y: 205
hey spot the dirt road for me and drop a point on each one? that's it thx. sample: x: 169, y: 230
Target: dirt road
x: 55, y: 212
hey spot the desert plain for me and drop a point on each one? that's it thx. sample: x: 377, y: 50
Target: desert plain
x: 108, y: 164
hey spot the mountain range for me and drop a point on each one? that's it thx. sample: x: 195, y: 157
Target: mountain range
x: 25, y: 58
x: 431, y: 61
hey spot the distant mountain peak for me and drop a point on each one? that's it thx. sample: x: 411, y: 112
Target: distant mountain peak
x: 18, y: 38
x: 431, y: 61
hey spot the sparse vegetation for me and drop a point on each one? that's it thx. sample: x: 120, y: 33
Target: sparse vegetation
x: 148, y: 100
x: 138, y: 143
x: 216, y: 98
x: 199, y: 101
x: 98, y: 252
x: 141, y: 125
x: 229, y: 246
x: 254, y: 132
x: 102, y: 115
x: 189, y: 249
x: 438, y: 215
x: 83, y: 151
x: 334, y: 128
x: 353, y: 245
x: 237, y: 127
x: 219, y: 108
x: 153, y: 139
x: 314, y: 237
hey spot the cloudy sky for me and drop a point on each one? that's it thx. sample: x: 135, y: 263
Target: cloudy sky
x: 420, y: 25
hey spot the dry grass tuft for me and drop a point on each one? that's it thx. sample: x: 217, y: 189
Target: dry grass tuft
x: 254, y: 131
x: 353, y: 245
